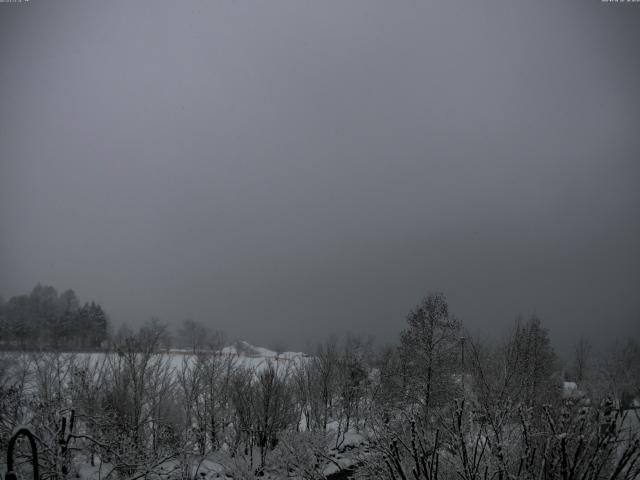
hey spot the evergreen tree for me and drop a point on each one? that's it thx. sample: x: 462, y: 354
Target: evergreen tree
x: 19, y: 318
x: 68, y: 308
x: 44, y: 319
x: 536, y: 363
x: 44, y: 305
x: 98, y: 322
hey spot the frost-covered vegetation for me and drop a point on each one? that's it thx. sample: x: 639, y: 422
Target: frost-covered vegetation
x: 440, y: 404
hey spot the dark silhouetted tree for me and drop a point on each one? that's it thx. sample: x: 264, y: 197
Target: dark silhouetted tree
x: 430, y: 347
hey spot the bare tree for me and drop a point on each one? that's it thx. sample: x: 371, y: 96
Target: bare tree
x: 15, y: 375
x: 621, y: 373
x: 325, y: 368
x: 138, y: 430
x: 429, y: 346
x: 273, y: 407
x: 305, y: 454
x: 213, y: 401
x: 352, y: 382
x: 582, y: 359
x: 194, y: 335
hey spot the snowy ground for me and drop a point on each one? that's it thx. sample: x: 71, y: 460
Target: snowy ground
x: 242, y: 353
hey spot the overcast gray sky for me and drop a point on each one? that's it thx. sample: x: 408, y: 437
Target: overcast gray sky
x: 282, y: 170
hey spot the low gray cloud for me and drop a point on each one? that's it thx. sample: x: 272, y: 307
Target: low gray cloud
x: 283, y: 170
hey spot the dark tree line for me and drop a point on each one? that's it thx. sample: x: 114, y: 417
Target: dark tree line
x: 46, y: 319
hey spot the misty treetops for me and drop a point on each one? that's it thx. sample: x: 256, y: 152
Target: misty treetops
x: 46, y: 319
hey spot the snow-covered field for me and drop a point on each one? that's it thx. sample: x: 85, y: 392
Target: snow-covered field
x: 243, y: 355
